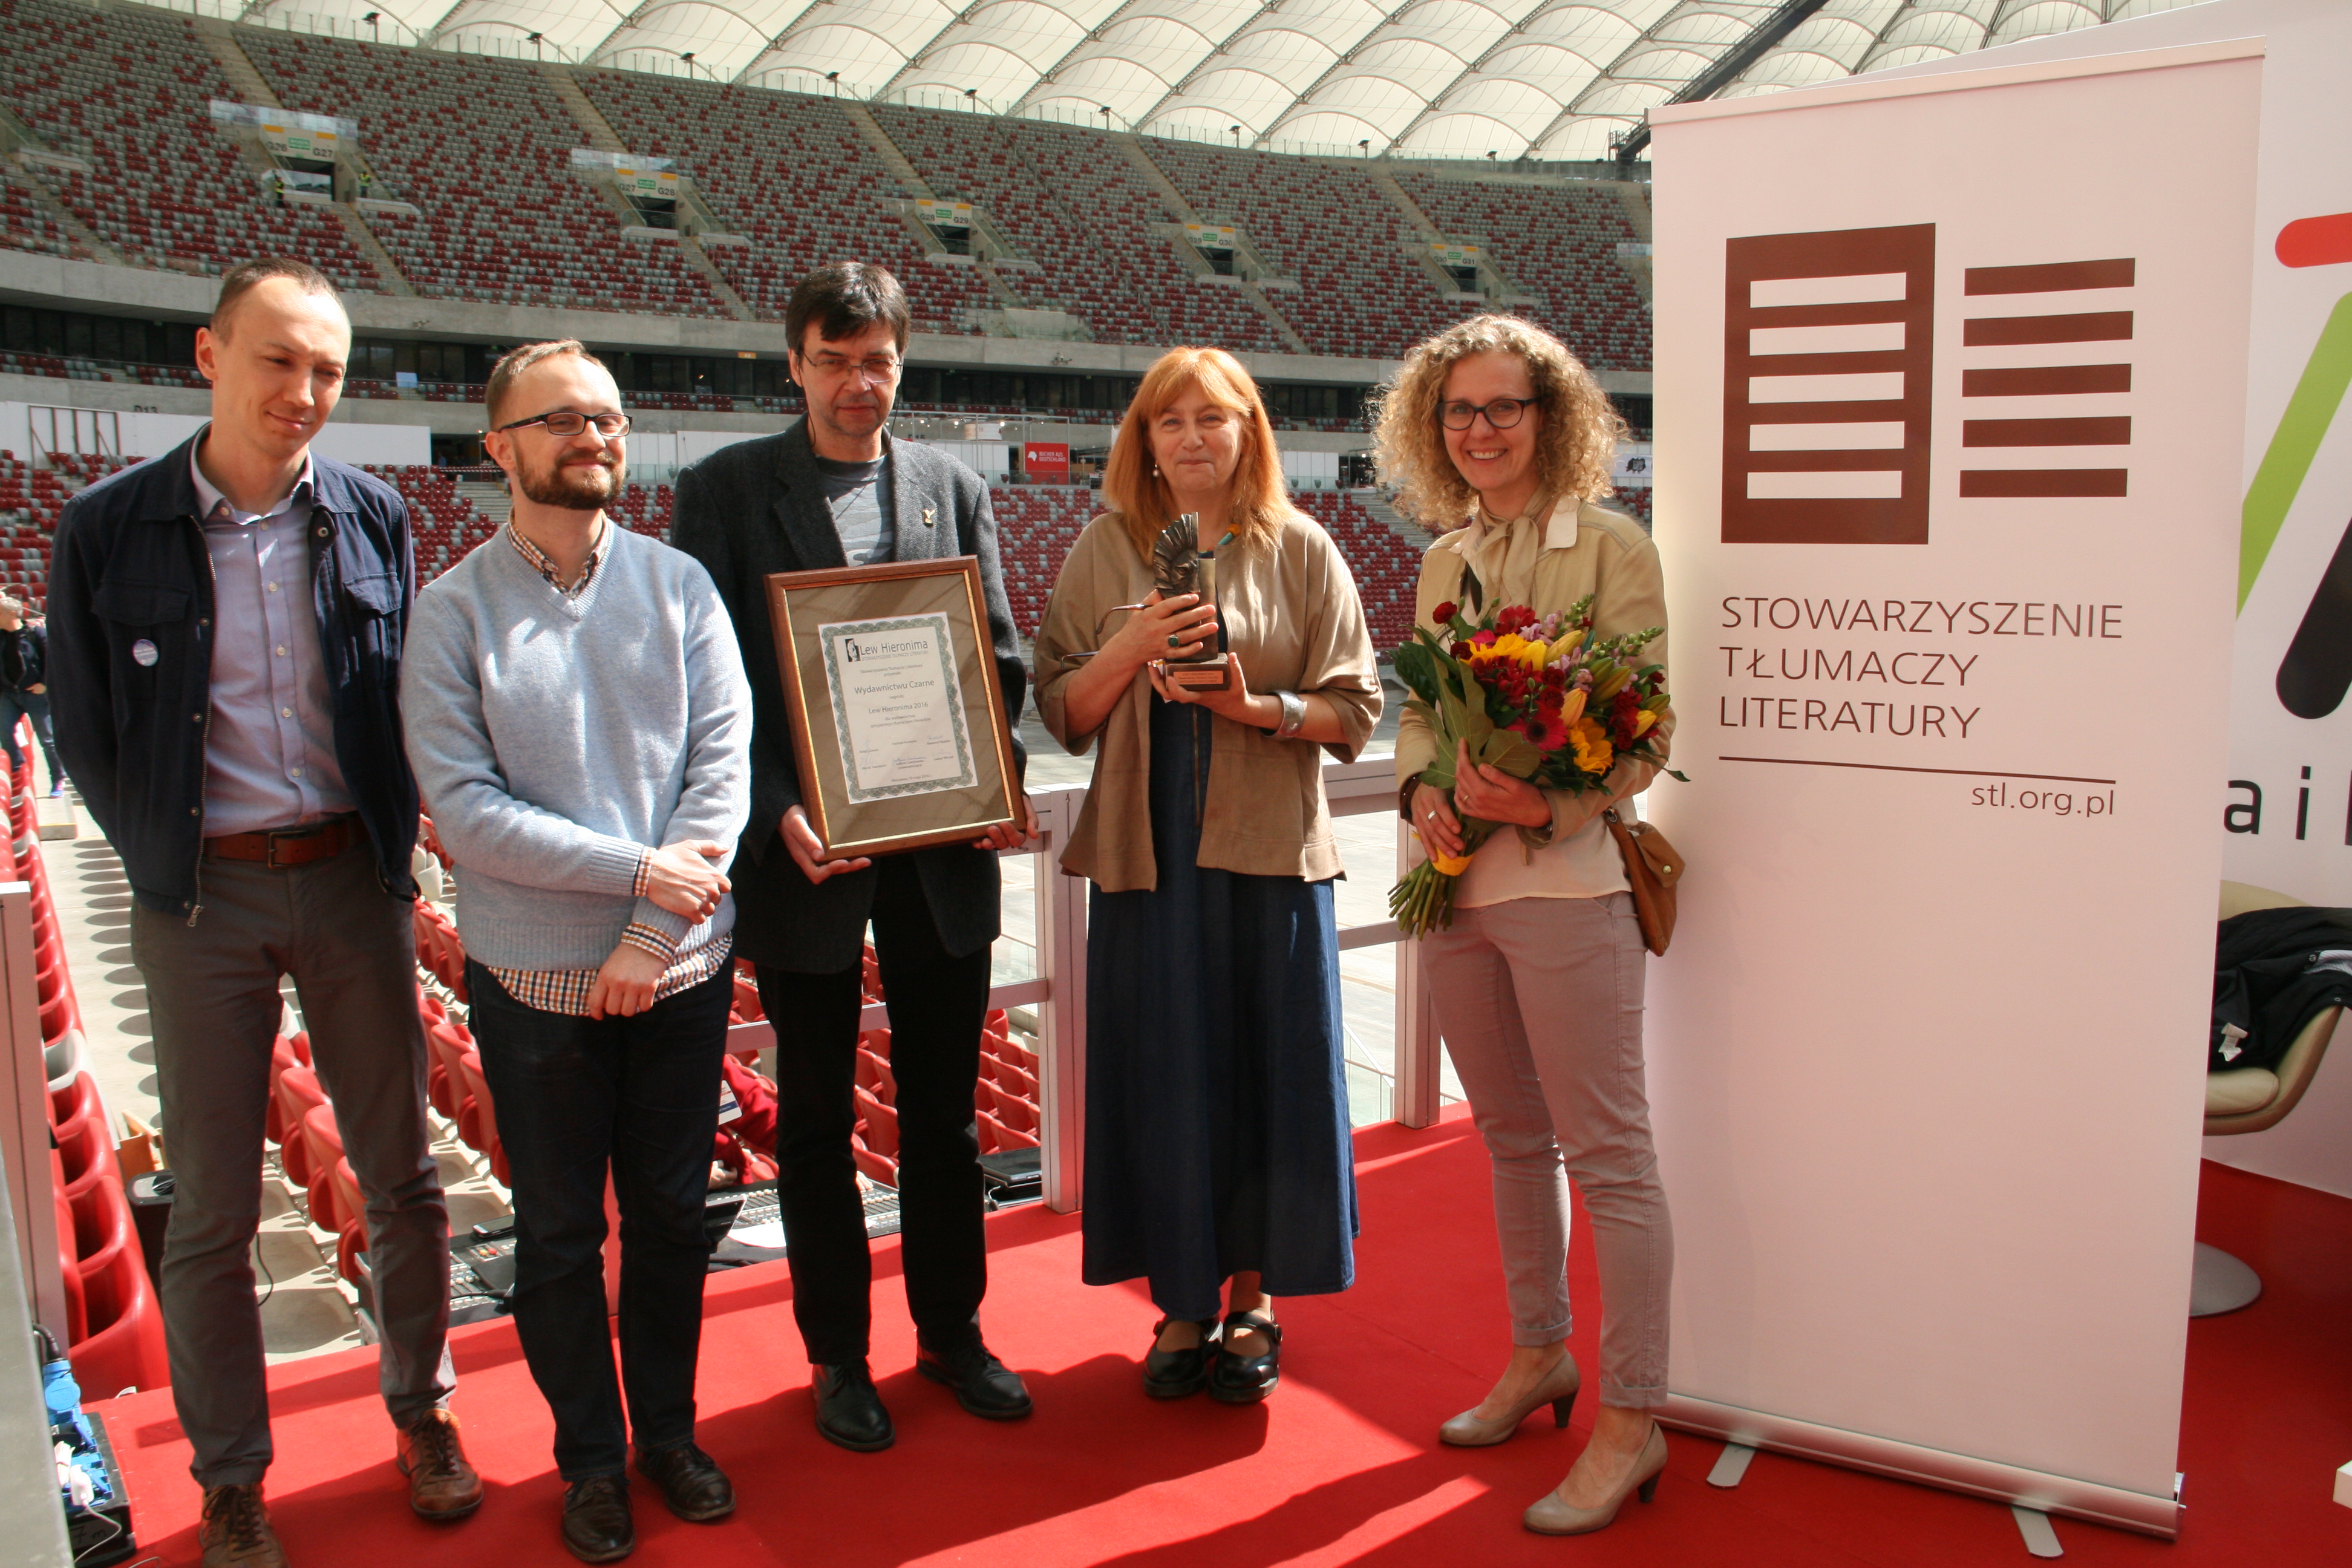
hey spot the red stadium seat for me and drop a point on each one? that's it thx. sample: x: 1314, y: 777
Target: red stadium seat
x: 323, y: 1144
x: 878, y: 1124
x: 125, y: 1344
x: 299, y: 1094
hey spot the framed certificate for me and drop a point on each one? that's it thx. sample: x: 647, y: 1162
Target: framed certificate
x: 898, y: 722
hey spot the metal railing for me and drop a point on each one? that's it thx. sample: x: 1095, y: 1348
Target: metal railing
x: 1056, y: 993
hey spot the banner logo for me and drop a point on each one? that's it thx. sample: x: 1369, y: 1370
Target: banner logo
x: 2318, y: 669
x: 1829, y: 356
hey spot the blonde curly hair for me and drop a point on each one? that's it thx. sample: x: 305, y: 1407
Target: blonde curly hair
x: 1574, y: 451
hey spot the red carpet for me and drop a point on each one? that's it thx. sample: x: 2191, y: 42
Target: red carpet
x: 1341, y: 1467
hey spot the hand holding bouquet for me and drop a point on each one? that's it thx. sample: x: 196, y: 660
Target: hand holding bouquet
x: 1533, y: 697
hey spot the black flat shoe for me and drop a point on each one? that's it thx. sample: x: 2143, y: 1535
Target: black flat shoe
x: 1173, y: 1374
x: 691, y: 1482
x: 596, y: 1523
x: 849, y: 1409
x: 983, y: 1384
x: 1245, y: 1380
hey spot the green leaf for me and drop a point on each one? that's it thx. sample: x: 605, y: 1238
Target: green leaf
x: 1509, y: 752
x: 1417, y: 667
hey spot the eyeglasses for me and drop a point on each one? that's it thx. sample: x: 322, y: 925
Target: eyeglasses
x: 1501, y: 414
x: 565, y: 423
x: 877, y: 369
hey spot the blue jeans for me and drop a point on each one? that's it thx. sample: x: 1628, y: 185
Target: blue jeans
x: 33, y: 705
x: 574, y: 1096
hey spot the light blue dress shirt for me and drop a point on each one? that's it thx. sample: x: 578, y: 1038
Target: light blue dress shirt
x: 269, y: 749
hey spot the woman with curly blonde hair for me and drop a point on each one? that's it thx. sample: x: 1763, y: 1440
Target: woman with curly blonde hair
x: 1217, y: 1151
x: 1499, y: 440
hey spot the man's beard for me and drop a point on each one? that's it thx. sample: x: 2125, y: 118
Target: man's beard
x: 575, y: 487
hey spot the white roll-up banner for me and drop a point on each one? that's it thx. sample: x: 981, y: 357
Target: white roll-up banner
x: 1949, y: 514
x: 2285, y: 820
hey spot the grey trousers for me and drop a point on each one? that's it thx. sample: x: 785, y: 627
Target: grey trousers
x: 1540, y: 1004
x: 212, y: 993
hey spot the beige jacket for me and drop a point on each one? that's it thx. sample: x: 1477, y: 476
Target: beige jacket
x: 1549, y: 565
x: 1291, y: 613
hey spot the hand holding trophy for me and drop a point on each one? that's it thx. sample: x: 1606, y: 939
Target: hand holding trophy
x: 1181, y: 566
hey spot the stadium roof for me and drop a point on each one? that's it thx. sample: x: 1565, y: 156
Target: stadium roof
x: 1548, y: 79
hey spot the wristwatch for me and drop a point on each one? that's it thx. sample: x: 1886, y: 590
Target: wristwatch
x: 1294, y: 714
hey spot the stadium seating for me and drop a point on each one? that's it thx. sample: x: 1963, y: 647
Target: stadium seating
x: 25, y: 226
x: 1035, y: 526
x: 446, y: 524
x: 1385, y: 567
x: 1559, y: 243
x: 483, y: 146
x: 1073, y: 203
x: 114, y: 1329
x: 644, y: 511
x: 791, y: 174
x: 128, y: 88
x: 1330, y: 226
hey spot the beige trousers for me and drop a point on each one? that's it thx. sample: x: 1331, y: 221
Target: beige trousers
x: 1540, y: 1004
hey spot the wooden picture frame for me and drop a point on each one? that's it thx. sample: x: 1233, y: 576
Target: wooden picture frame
x: 897, y: 716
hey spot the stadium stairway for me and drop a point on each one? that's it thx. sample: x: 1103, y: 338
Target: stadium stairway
x: 488, y: 497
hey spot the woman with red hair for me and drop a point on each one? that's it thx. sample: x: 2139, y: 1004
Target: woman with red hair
x: 1217, y: 1131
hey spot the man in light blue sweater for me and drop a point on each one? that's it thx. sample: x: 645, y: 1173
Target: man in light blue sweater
x: 581, y: 728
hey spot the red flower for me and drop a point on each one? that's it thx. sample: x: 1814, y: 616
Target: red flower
x: 1483, y: 638
x: 1545, y: 730
x: 1444, y: 612
x: 1624, y: 712
x: 1514, y: 618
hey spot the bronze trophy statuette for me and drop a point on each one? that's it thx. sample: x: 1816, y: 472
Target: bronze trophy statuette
x: 1181, y: 566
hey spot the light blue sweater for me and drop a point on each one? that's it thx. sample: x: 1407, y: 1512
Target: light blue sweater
x: 555, y: 740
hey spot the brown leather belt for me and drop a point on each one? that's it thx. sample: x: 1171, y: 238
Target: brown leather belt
x: 287, y: 847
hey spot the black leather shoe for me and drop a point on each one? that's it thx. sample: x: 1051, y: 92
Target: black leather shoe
x: 596, y: 1524
x: 691, y: 1482
x: 1245, y: 1380
x: 983, y: 1384
x: 1172, y: 1375
x: 849, y: 1409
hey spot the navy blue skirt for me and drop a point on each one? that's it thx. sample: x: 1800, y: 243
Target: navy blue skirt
x: 1217, y: 1133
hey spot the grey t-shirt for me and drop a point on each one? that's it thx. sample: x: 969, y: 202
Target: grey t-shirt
x: 860, y: 496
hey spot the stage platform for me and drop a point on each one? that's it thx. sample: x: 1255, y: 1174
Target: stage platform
x: 1341, y: 1467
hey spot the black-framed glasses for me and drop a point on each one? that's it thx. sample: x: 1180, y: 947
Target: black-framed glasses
x: 565, y: 423
x: 1501, y: 414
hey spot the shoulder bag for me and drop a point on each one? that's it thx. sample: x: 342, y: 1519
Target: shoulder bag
x: 1651, y: 870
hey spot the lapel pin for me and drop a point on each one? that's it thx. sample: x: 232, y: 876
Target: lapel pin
x: 931, y: 517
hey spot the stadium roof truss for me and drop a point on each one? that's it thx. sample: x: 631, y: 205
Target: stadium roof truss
x: 1431, y: 78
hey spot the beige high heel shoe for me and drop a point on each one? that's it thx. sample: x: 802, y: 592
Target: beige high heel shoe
x: 1547, y: 1515
x: 1556, y: 1388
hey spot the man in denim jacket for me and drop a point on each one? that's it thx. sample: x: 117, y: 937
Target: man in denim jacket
x: 226, y: 625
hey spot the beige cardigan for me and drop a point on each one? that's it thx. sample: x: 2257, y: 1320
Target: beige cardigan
x: 1580, y: 549
x: 1292, y: 616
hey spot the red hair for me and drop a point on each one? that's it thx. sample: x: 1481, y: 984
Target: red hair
x: 1131, y: 483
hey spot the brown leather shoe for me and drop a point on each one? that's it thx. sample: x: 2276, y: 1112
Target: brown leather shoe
x: 441, y: 1485
x: 236, y: 1532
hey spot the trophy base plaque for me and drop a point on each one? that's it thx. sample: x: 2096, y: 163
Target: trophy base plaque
x: 1210, y: 677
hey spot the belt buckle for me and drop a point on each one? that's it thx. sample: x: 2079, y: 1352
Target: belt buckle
x: 271, y: 859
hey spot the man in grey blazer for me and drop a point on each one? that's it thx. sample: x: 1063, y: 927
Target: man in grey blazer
x: 836, y: 491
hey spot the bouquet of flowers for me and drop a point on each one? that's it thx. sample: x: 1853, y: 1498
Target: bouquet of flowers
x: 1535, y: 697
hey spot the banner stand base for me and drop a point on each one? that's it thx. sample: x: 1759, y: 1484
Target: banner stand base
x: 1927, y: 1466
